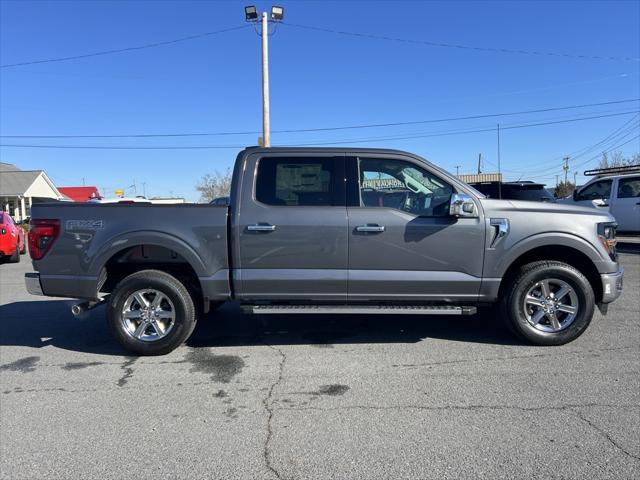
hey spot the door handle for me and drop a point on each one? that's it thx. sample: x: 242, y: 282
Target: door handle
x: 370, y: 228
x: 261, y: 228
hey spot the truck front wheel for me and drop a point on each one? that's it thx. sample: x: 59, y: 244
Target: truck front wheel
x: 548, y: 303
x: 151, y: 313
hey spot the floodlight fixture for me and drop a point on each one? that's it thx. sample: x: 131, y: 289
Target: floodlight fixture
x: 251, y: 13
x: 277, y: 13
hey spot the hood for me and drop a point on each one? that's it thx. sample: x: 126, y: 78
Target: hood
x: 493, y: 207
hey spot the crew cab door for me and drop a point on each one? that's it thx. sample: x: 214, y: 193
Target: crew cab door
x: 291, y: 240
x: 625, y: 204
x: 403, y: 244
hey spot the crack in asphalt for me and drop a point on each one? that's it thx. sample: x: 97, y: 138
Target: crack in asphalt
x: 462, y: 407
x: 571, y: 408
x: 515, y: 357
x: 267, y: 402
x: 66, y: 366
x: 128, y: 371
x: 605, y: 435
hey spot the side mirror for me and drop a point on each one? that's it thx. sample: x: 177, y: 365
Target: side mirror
x: 462, y: 205
x: 575, y: 195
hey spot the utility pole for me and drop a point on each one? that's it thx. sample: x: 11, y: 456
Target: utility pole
x: 575, y: 175
x: 499, y: 169
x: 458, y: 170
x: 565, y: 167
x: 557, y: 179
x: 277, y: 15
x: 479, y: 163
x: 144, y: 189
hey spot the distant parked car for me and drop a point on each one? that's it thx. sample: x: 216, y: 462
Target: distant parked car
x: 619, y: 194
x: 12, y: 242
x: 534, y: 192
x: 220, y: 201
x: 121, y: 200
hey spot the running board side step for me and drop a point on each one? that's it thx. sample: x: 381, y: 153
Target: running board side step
x: 361, y: 309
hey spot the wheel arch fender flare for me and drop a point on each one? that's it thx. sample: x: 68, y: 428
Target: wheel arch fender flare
x: 128, y: 240
x: 548, y: 239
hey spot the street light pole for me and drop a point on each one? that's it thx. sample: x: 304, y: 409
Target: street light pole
x: 266, y: 128
x: 277, y: 15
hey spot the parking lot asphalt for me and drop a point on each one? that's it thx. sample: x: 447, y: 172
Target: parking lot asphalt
x: 296, y: 397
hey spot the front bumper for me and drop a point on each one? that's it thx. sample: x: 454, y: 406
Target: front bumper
x: 612, y: 285
x: 32, y: 281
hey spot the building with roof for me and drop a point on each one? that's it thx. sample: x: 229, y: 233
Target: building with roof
x: 80, y: 194
x: 19, y: 189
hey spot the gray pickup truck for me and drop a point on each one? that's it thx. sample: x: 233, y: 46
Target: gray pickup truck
x: 329, y: 230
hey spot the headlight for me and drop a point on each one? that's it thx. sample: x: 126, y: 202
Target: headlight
x: 607, y: 237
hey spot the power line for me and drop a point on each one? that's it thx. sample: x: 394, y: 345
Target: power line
x: 458, y: 132
x: 606, y: 151
x: 462, y: 47
x: 345, y: 127
x: 619, y: 133
x: 126, y: 49
x: 339, y: 142
x: 595, y: 157
x: 127, y: 147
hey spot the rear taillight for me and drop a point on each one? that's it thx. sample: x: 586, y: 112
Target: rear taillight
x: 42, y: 234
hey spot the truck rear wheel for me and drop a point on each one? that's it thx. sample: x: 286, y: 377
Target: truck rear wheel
x: 548, y: 303
x: 151, y: 313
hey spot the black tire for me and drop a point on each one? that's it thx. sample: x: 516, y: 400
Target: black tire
x: 15, y: 258
x: 513, y: 310
x: 185, y: 312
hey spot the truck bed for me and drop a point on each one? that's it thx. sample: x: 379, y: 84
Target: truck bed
x: 94, y: 235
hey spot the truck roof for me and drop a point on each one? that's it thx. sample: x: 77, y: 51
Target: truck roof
x: 611, y: 177
x: 326, y: 150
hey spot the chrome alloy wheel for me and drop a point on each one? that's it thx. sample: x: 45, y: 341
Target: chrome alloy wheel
x: 148, y: 315
x: 551, y: 305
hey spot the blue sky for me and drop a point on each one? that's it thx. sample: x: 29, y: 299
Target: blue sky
x: 318, y: 79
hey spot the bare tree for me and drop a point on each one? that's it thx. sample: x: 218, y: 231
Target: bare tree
x: 617, y: 159
x: 213, y: 185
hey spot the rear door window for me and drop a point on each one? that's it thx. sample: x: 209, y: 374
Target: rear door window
x: 629, y: 187
x: 297, y: 182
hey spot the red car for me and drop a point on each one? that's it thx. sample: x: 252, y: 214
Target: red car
x: 12, y: 242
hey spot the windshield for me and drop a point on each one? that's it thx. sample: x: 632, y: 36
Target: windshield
x: 532, y: 192
x: 536, y: 194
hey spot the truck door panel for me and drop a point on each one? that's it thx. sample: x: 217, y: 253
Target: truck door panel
x: 403, y: 245
x: 625, y: 204
x: 291, y: 229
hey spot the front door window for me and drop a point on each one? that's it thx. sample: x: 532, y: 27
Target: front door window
x: 402, y: 186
